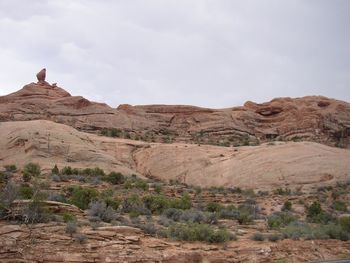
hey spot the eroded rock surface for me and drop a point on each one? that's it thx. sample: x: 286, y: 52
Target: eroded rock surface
x: 283, y: 164
x: 314, y: 118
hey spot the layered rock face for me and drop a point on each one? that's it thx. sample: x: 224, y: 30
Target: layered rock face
x: 301, y: 165
x: 313, y: 118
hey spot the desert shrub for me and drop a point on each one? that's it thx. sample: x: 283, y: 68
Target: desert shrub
x: 173, y: 214
x: 68, y: 217
x: 57, y: 197
x: 115, y: 178
x: 297, y: 230
x: 67, y: 170
x: 248, y: 211
x: 55, y: 170
x: 148, y: 228
x: 214, y: 207
x: 11, y: 168
x: 26, y: 192
x: 198, y: 232
x: 344, y: 222
x: 258, y: 237
x: 287, y: 206
x: 56, y: 178
x: 71, y: 228
x: 193, y: 216
x: 30, y: 170
x: 158, y: 188
x: 244, y: 218
x: 280, y: 219
x: 183, y: 203
x: 3, y: 177
x: 159, y: 203
x: 102, y: 211
x: 156, y: 203
x: 81, y: 197
x: 136, y: 183
x: 340, y: 206
x: 165, y: 221
x: 315, y: 214
x: 140, y: 184
x: 273, y: 237
x: 281, y: 191
x: 134, y: 206
x: 8, y: 194
x: 229, y: 213
x: 80, y: 238
x: 111, y: 132
x: 35, y: 211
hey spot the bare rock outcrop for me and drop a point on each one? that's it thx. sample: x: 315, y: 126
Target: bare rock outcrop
x: 292, y: 164
x: 312, y: 118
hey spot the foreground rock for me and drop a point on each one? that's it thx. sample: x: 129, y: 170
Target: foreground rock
x: 50, y: 243
x: 299, y: 165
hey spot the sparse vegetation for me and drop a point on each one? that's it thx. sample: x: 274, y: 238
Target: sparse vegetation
x: 280, y: 219
x: 81, y: 197
x: 31, y: 170
x: 198, y: 232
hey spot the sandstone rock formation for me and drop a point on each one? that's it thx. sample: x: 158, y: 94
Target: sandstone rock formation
x: 41, y: 76
x: 313, y: 118
x: 50, y: 243
x: 294, y: 164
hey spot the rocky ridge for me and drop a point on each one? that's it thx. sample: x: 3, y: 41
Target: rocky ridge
x: 312, y: 118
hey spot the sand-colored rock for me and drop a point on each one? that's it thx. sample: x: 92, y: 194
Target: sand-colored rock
x: 20, y: 243
x: 314, y: 118
x: 291, y: 164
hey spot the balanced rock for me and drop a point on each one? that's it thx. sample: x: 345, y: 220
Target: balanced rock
x: 41, y: 76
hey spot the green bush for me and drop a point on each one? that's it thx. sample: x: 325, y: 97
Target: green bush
x: 297, y: 230
x: 115, y: 178
x: 345, y: 223
x: 281, y: 191
x: 10, y: 168
x: 3, y: 177
x: 280, y: 219
x: 30, y: 170
x: 258, y: 237
x: 287, y: 206
x: 81, y: 197
x: 315, y: 214
x: 340, y: 206
x: 273, y: 237
x: 136, y: 183
x: 198, y: 232
x: 134, y: 205
x: 158, y: 203
x: 55, y: 170
x: 214, y: 207
x: 71, y: 228
x: 158, y: 188
x: 68, y: 217
x: 67, y: 170
x: 26, y: 192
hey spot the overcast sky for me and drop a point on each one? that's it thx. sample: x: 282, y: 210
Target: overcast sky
x: 214, y: 53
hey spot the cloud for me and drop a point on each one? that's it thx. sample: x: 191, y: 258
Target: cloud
x: 208, y: 53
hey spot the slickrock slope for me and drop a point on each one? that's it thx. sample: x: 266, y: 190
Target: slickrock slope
x: 292, y: 164
x: 314, y: 118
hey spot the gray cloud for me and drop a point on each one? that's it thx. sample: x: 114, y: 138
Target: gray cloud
x: 215, y: 53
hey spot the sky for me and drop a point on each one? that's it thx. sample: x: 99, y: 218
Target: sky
x: 210, y: 53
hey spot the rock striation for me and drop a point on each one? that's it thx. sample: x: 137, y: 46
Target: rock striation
x: 301, y: 165
x: 312, y: 118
